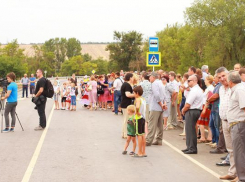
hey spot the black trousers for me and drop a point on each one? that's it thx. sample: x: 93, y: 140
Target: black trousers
x: 25, y: 89
x: 191, y: 117
x: 41, y: 113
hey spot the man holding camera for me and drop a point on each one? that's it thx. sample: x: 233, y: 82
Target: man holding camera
x: 11, y: 96
x: 40, y: 100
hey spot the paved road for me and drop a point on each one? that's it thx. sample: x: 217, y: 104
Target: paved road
x: 86, y: 146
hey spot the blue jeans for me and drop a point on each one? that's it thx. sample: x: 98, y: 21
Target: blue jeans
x: 182, y: 104
x: 117, y: 100
x: 73, y: 100
x: 214, y: 125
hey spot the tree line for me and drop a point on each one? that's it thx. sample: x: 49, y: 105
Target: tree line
x: 213, y: 34
x: 58, y: 56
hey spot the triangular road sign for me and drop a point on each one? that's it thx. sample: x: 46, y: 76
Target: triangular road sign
x: 153, y: 59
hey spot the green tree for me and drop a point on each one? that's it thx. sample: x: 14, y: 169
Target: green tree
x: 73, y: 47
x: 127, y: 48
x: 12, y: 59
x: 88, y: 67
x: 57, y: 47
x: 12, y: 49
x: 73, y: 65
x: 87, y: 57
x: 224, y: 24
x: 102, y: 65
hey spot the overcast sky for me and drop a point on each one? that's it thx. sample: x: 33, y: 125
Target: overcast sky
x: 32, y: 21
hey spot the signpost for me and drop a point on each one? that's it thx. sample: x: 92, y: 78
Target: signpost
x: 153, y: 44
x: 45, y: 73
x: 153, y: 57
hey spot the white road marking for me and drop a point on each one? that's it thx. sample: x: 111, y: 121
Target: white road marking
x: 35, y: 156
x: 193, y: 160
x: 21, y: 98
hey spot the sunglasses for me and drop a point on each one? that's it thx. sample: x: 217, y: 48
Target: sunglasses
x: 189, y: 80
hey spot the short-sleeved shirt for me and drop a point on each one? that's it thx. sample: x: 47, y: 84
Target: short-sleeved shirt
x: 158, y: 95
x: 224, y: 96
x: 204, y: 75
x: 41, y: 83
x: 215, y: 106
x: 175, y: 85
x: 73, y: 91
x: 131, y: 127
x: 25, y: 81
x: 58, y: 82
x: 32, y: 79
x: 126, y: 101
x: 237, y: 104
x: 118, y: 84
x: 209, y: 89
x: 168, y: 91
x: 146, y: 86
x: 14, y: 92
x: 195, y: 98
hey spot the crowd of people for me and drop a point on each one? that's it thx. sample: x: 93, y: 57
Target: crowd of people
x: 211, y: 108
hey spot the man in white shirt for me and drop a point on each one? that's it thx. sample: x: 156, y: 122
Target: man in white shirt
x: 192, y: 111
x: 236, y: 120
x: 224, y: 95
x: 117, y: 84
x: 242, y: 74
x: 172, y: 120
x: 25, y: 81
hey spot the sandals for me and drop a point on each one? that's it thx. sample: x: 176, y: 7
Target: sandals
x: 201, y: 141
x: 138, y: 156
x: 131, y: 153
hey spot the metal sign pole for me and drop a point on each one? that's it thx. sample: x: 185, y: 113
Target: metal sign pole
x: 153, y: 68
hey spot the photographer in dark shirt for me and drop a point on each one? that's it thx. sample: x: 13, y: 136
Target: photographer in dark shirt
x: 41, y: 100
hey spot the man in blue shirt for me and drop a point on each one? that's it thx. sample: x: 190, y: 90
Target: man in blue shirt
x: 11, y: 96
x: 32, y: 85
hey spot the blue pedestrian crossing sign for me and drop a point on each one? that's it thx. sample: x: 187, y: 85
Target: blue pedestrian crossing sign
x: 153, y: 44
x: 153, y: 59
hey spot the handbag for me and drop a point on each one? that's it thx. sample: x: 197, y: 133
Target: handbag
x: 100, y: 90
x: 89, y: 88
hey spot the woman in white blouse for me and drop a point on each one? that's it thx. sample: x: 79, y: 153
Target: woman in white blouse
x: 203, y: 120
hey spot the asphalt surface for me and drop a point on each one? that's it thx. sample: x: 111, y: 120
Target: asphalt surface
x: 87, y: 145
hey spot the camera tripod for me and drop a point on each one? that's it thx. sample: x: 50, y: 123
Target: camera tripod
x: 2, y: 107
